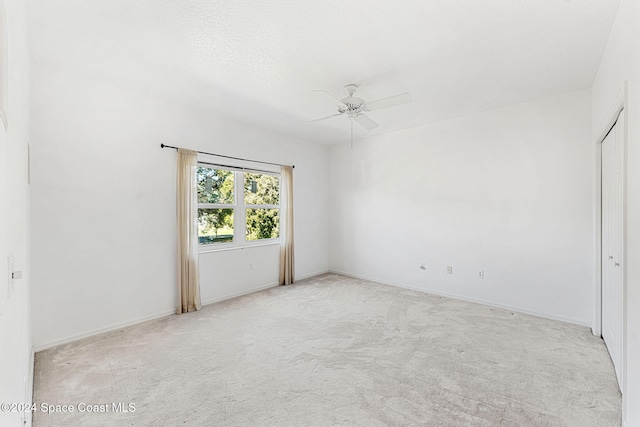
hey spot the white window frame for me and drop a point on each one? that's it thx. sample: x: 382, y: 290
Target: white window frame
x: 240, y: 211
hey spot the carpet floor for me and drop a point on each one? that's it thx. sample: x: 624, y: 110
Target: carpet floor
x: 333, y: 350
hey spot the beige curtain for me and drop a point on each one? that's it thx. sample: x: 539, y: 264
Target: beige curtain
x: 187, y: 207
x: 287, y: 267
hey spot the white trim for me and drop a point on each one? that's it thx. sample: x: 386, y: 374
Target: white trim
x: 216, y: 206
x: 239, y: 294
x: 204, y: 249
x: 310, y: 275
x: 610, y: 118
x: 239, y: 164
x: 468, y: 299
x: 596, y: 321
x: 106, y: 329
x: 249, y: 206
x: 31, y: 370
x: 625, y: 251
x: 99, y: 331
x: 261, y: 172
x: 28, y: 416
x: 217, y: 247
x: 261, y: 288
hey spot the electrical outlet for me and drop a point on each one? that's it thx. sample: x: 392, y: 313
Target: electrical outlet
x: 449, y: 269
x: 480, y: 274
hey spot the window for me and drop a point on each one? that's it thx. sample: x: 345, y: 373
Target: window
x: 225, y: 218
x: 216, y: 205
x: 262, y: 202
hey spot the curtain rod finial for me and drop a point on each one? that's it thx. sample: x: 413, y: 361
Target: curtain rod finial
x: 161, y: 145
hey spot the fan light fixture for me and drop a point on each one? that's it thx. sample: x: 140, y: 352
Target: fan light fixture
x: 354, y: 108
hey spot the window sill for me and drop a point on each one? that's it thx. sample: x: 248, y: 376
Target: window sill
x: 204, y: 250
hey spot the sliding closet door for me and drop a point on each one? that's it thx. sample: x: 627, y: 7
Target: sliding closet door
x: 612, y: 243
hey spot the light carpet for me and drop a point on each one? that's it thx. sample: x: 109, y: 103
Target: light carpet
x: 333, y: 350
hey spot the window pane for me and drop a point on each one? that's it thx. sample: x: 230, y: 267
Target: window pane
x: 215, y: 186
x: 215, y: 226
x: 261, y: 189
x: 263, y: 224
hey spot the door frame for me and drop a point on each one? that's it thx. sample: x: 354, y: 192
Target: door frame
x: 617, y: 109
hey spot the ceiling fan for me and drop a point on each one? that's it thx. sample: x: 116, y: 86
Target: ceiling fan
x: 354, y: 107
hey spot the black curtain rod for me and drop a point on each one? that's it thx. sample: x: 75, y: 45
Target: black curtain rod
x: 228, y: 157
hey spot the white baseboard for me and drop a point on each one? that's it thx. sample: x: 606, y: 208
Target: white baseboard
x: 239, y: 294
x: 27, y: 416
x: 258, y: 289
x: 99, y: 331
x: 310, y: 275
x: 469, y: 299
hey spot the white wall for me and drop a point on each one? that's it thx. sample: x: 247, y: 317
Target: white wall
x: 507, y: 191
x: 620, y: 63
x: 15, y: 311
x: 103, y: 205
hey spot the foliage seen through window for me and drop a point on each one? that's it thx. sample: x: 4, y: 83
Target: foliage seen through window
x: 218, y: 208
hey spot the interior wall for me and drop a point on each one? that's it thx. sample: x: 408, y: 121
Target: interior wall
x: 506, y: 191
x: 103, y: 202
x: 15, y: 309
x: 620, y: 63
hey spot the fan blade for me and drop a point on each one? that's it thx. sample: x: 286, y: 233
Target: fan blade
x: 365, y: 121
x: 322, y: 118
x: 324, y: 91
x: 391, y: 101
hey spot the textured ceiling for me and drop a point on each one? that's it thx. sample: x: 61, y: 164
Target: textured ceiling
x: 258, y: 61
